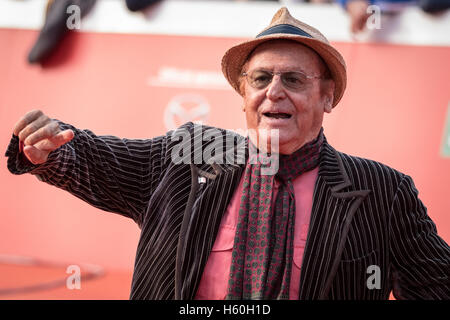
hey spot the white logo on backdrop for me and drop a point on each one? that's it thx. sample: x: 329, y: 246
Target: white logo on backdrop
x: 186, y: 107
x: 174, y: 77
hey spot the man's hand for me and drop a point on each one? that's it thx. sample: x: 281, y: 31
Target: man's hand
x: 357, y: 9
x: 40, y: 135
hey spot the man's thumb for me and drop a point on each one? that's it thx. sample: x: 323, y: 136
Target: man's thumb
x: 63, y: 137
x: 34, y: 155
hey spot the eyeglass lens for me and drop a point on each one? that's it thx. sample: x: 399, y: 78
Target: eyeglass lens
x: 259, y: 79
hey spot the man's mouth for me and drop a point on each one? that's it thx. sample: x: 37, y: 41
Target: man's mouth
x: 277, y: 115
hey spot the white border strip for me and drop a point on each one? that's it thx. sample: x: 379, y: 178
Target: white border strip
x: 233, y: 19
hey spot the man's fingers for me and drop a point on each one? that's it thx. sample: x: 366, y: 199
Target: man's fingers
x: 26, y: 120
x: 46, y: 132
x: 32, y: 127
x: 34, y: 155
x: 357, y: 26
x: 358, y: 23
x: 357, y: 10
x: 63, y: 137
x: 38, y: 153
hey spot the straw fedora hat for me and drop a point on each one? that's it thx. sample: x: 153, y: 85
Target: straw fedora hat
x: 284, y: 26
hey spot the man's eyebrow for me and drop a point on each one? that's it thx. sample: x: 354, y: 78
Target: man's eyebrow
x: 294, y: 69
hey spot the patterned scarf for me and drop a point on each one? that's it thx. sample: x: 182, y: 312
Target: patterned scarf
x: 263, y: 245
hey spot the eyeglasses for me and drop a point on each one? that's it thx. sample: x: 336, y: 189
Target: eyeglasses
x: 292, y: 80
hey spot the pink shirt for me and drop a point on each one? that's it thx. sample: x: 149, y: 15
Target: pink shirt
x: 214, y: 281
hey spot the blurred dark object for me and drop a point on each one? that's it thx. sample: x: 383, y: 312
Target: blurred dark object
x: 55, y: 27
x: 136, y: 5
x: 434, y: 6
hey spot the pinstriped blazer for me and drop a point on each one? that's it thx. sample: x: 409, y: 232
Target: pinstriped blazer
x: 369, y: 233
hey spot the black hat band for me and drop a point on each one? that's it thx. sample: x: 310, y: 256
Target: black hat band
x: 284, y: 28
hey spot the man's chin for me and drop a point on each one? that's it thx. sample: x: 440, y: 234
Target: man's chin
x: 276, y: 139
x: 278, y: 144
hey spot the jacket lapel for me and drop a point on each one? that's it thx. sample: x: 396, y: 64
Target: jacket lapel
x: 335, y: 202
x: 213, y: 186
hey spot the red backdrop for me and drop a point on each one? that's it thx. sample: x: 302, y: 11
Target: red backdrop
x: 393, y: 111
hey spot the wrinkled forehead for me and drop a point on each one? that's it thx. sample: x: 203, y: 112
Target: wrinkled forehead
x: 286, y: 53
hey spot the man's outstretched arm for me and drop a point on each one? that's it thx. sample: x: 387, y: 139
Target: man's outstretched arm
x: 113, y: 174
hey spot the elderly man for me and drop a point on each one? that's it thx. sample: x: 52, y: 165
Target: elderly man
x: 323, y: 225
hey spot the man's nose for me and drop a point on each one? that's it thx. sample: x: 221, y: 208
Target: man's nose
x: 275, y: 90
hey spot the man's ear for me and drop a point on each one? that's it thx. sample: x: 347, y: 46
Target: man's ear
x: 328, y: 95
x: 328, y: 107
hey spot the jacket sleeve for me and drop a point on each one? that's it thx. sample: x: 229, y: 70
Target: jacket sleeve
x: 420, y: 258
x: 110, y: 173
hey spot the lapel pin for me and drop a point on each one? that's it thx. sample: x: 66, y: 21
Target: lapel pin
x: 201, y: 180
